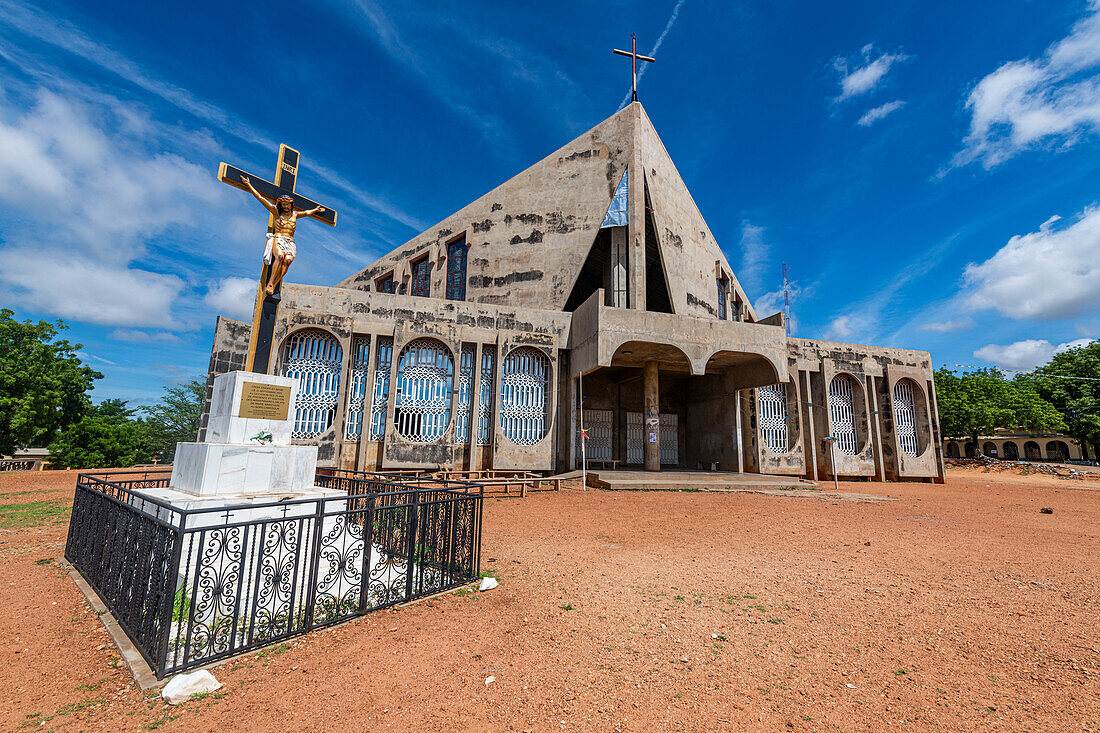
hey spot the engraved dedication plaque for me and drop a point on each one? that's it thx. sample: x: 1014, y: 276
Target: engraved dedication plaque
x: 264, y: 401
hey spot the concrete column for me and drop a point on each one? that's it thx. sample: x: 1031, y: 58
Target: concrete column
x: 652, y: 429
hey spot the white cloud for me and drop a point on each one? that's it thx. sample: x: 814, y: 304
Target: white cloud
x: 233, y: 296
x: 863, y: 73
x: 840, y: 328
x: 47, y: 27
x: 773, y: 302
x: 754, y: 255
x: 1024, y: 355
x: 81, y: 289
x: 872, y: 116
x: 135, y: 336
x: 1027, y: 103
x: 947, y: 326
x: 1051, y: 273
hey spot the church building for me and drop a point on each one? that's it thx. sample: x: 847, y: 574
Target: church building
x: 586, y: 291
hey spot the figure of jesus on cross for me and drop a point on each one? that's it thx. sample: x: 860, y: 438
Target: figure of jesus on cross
x: 280, y: 250
x: 284, y: 206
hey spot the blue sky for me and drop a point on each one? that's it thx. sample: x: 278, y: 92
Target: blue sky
x: 928, y: 172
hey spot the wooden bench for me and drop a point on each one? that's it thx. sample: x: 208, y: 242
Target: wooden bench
x: 612, y: 463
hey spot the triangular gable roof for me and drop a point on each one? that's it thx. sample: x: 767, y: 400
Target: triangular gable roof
x: 529, y: 237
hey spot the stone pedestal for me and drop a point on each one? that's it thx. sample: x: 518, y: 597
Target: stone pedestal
x: 247, y: 460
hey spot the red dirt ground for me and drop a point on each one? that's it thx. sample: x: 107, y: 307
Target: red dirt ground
x: 956, y: 607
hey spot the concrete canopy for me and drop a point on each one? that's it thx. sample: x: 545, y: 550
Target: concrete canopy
x: 531, y: 235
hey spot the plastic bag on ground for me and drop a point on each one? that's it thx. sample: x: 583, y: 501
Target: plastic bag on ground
x: 181, y: 687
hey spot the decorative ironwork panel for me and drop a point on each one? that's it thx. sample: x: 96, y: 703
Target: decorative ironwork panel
x: 357, y: 388
x: 670, y: 439
x: 842, y: 414
x: 425, y: 378
x: 635, y: 441
x: 381, y: 391
x: 485, y: 404
x: 773, y: 417
x: 212, y: 583
x: 525, y: 396
x: 314, y: 358
x: 465, y: 393
x: 599, y: 424
x: 905, y: 417
x: 456, y: 270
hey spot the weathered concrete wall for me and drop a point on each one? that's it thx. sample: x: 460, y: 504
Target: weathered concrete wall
x: 228, y: 354
x: 347, y: 314
x: 691, y: 256
x: 529, y: 237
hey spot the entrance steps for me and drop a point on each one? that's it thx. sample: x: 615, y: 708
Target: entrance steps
x: 626, y: 480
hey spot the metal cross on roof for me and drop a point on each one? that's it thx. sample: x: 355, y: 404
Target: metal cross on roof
x: 634, y: 58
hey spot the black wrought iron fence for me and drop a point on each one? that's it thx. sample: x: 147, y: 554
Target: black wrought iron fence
x: 191, y: 586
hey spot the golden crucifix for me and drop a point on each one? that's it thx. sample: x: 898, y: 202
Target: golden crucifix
x: 284, y: 208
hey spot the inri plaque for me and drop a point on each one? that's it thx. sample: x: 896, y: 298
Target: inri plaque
x: 265, y: 401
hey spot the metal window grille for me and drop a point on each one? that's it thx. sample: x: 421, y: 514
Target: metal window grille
x: 456, y: 270
x: 425, y: 375
x: 485, y: 404
x: 723, y: 290
x: 314, y: 358
x: 599, y: 424
x: 357, y: 388
x: 385, y: 284
x: 525, y: 396
x: 381, y: 391
x: 842, y: 415
x: 773, y: 417
x: 635, y: 445
x: 465, y: 394
x: 670, y: 439
x: 421, y: 277
x: 905, y: 417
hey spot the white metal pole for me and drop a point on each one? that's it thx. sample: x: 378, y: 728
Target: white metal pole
x: 584, y: 454
x: 832, y: 454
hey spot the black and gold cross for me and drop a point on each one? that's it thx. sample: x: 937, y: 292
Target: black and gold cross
x: 267, y: 306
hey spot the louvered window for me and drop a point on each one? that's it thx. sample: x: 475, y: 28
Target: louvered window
x: 905, y: 417
x: 842, y: 415
x: 357, y: 388
x: 425, y: 377
x: 773, y: 417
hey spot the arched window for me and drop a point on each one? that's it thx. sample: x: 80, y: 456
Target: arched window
x: 774, y: 417
x: 990, y: 449
x: 525, y: 396
x: 952, y: 450
x: 1057, y: 450
x: 1011, y: 451
x: 905, y: 416
x: 314, y: 358
x: 425, y: 375
x: 357, y: 388
x: 842, y: 414
x: 1032, y: 452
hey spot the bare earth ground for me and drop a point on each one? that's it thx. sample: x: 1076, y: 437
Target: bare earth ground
x: 957, y: 607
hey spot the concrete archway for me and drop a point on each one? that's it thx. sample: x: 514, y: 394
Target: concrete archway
x: 952, y: 450
x: 1032, y: 452
x: 1011, y: 451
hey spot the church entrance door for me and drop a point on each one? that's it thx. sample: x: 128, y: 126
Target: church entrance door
x: 669, y: 437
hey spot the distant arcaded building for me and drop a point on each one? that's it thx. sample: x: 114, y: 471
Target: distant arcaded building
x: 467, y: 346
x: 1019, y: 446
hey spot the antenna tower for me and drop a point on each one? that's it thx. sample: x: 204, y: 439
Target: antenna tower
x: 786, y: 301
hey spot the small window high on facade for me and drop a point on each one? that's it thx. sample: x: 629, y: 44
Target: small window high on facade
x: 421, y: 277
x: 384, y: 284
x: 723, y: 296
x: 456, y: 269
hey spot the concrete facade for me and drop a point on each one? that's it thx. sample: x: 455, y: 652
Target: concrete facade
x: 639, y: 328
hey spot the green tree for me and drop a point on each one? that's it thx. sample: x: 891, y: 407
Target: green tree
x: 43, y: 384
x: 978, y: 402
x: 175, y: 418
x: 108, y: 436
x: 1077, y: 399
